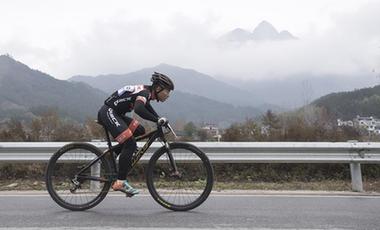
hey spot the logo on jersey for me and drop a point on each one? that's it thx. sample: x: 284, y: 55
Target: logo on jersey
x: 130, y: 89
x: 112, y: 117
x: 127, y: 88
x: 121, y: 100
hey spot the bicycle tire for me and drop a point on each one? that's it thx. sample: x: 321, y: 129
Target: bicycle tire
x: 153, y: 165
x: 51, y: 170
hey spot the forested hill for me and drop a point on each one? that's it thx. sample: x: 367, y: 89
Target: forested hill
x: 25, y: 93
x: 346, y: 105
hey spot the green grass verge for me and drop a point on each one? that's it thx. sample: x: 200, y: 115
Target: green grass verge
x: 326, y: 185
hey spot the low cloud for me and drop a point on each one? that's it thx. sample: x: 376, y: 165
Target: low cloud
x: 117, y: 45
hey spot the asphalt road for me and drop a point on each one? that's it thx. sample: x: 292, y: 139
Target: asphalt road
x: 253, y: 211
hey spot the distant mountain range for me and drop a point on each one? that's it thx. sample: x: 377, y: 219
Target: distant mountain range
x: 185, y: 80
x: 293, y: 90
x: 25, y: 93
x: 264, y: 31
x: 298, y: 90
x: 197, y: 96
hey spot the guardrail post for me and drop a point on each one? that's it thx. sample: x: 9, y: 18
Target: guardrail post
x: 356, y: 177
x: 95, y: 171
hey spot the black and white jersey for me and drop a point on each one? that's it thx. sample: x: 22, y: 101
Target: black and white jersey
x: 124, y: 99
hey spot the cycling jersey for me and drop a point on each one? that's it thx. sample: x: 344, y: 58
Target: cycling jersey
x: 133, y: 97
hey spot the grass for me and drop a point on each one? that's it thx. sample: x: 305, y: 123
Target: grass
x: 317, y: 177
x: 371, y: 185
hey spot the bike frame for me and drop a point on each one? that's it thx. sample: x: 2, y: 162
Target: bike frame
x: 152, y: 136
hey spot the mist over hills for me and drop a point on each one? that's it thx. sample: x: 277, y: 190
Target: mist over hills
x: 187, y: 107
x: 298, y: 90
x: 277, y: 94
x: 26, y: 93
x: 185, y: 80
x: 197, y: 96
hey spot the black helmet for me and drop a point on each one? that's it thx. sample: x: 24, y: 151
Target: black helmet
x: 162, y: 80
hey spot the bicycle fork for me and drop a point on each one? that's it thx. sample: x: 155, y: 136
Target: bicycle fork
x: 175, y: 172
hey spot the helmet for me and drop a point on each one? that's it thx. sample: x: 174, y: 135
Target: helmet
x: 162, y: 80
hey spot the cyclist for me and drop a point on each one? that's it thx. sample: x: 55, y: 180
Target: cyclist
x: 124, y: 129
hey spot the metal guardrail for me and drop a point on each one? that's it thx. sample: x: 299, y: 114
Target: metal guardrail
x: 353, y: 153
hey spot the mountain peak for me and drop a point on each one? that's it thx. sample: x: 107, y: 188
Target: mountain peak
x: 265, y: 24
x: 264, y: 31
x: 164, y: 65
x: 8, y: 66
x: 163, y: 68
x: 7, y: 58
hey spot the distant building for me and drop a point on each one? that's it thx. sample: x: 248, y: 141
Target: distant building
x: 371, y: 124
x: 377, y: 130
x: 345, y: 123
x: 265, y: 130
x: 212, y: 130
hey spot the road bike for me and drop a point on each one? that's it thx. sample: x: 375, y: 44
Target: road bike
x: 179, y: 176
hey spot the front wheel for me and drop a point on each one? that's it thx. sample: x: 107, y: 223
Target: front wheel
x: 186, y: 189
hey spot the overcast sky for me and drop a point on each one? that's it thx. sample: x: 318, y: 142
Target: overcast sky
x: 66, y: 38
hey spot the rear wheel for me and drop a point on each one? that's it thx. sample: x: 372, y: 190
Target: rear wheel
x: 183, y: 191
x: 70, y: 190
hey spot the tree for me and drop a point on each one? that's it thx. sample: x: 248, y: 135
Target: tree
x: 247, y: 131
x: 189, y: 129
x: 36, y: 130
x: 70, y: 131
x: 202, y: 135
x: 94, y: 129
x: 233, y: 133
x: 16, y: 130
x: 270, y: 119
x: 250, y: 131
x: 272, y: 125
x: 50, y: 122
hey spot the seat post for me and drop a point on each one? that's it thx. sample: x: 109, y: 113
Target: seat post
x: 108, y: 137
x: 109, y: 143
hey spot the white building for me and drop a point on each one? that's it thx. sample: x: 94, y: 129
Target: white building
x: 213, y: 131
x: 371, y: 124
x: 345, y: 123
x: 377, y: 130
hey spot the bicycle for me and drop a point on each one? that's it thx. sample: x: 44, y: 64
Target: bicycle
x: 179, y: 176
